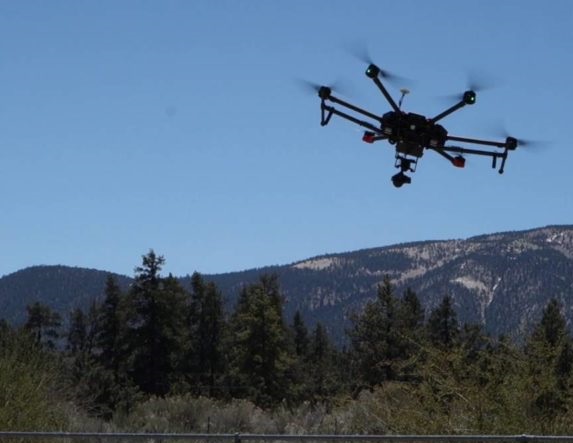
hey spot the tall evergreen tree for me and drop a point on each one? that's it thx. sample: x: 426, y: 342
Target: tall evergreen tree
x: 376, y: 342
x: 82, y: 330
x: 443, y: 326
x: 93, y: 385
x: 410, y: 326
x: 323, y: 381
x: 110, y: 327
x: 105, y: 382
x: 206, y: 329
x: 411, y: 313
x: 552, y: 329
x: 550, y: 360
x: 270, y: 285
x: 155, y: 319
x: 259, y: 356
x: 300, y: 336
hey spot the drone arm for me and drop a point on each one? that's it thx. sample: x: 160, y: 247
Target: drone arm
x: 478, y: 142
x: 328, y: 111
x: 448, y: 111
x: 459, y: 150
x: 492, y: 154
x: 354, y: 108
x: 385, y: 93
x: 468, y: 98
x: 443, y: 154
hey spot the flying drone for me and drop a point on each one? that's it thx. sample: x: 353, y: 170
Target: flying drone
x: 410, y: 133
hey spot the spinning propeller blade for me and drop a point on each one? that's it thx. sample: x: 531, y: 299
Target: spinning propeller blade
x: 308, y: 86
x: 477, y: 81
x: 521, y: 142
x: 311, y: 87
x: 499, y: 131
x: 361, y: 53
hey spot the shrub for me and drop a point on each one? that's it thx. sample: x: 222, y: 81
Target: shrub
x: 32, y: 396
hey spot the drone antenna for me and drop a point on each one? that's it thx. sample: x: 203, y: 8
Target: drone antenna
x: 404, y: 92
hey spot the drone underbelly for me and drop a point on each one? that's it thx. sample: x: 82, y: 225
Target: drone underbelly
x: 410, y: 148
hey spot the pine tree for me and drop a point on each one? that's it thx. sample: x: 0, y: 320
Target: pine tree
x: 550, y: 360
x: 156, y: 331
x: 206, y: 335
x: 502, y: 381
x: 77, y: 333
x: 259, y: 357
x: 552, y: 329
x: 110, y: 328
x: 105, y: 382
x: 322, y: 371
x: 270, y: 285
x: 43, y: 324
x: 564, y: 366
x: 410, y: 325
x: 443, y: 326
x: 376, y: 342
x: 300, y: 336
x: 93, y: 385
x: 411, y: 313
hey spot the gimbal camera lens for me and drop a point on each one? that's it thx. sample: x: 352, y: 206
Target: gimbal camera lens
x: 401, y: 179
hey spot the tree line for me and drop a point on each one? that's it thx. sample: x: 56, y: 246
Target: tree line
x: 158, y: 339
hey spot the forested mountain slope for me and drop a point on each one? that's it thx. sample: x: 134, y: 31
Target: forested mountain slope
x: 501, y: 280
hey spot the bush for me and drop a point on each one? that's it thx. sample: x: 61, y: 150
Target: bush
x: 183, y: 413
x: 31, y: 394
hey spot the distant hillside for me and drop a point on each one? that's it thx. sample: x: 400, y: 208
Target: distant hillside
x: 501, y: 280
x: 61, y: 287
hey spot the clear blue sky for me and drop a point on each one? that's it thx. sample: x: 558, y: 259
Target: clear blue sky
x: 180, y: 126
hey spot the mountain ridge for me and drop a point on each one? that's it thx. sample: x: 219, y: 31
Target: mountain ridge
x: 501, y: 280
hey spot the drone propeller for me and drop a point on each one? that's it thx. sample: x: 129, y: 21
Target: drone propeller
x: 528, y: 143
x: 361, y: 53
x: 308, y: 86
x: 315, y: 88
x: 521, y: 142
x: 499, y: 130
x: 477, y: 81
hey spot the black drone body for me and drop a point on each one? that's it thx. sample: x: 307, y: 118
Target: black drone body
x: 410, y: 133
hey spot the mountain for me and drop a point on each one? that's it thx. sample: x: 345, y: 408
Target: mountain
x: 501, y: 280
x: 62, y: 288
